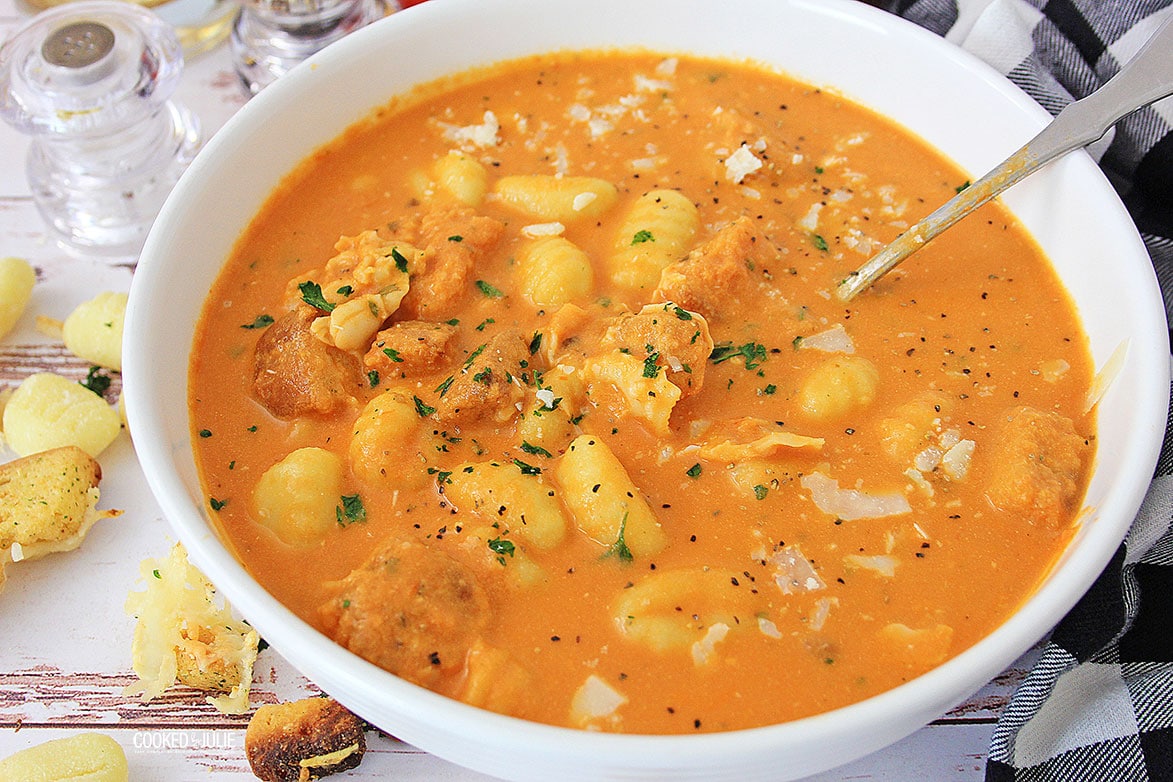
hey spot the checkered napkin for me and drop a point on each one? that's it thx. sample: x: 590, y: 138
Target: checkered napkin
x: 1098, y: 705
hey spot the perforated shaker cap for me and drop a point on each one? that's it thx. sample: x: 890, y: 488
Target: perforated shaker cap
x: 88, y: 66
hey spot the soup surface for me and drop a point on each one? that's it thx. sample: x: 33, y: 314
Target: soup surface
x: 533, y: 389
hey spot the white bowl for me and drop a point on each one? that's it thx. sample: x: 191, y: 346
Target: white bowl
x: 958, y: 104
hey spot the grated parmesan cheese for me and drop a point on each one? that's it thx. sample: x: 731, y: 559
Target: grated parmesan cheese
x: 181, y: 633
x: 702, y: 650
x: 595, y: 700
x: 741, y: 164
x: 543, y: 229
x: 483, y: 135
x: 851, y: 504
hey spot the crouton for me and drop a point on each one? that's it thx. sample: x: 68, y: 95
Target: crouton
x: 303, y: 740
x: 47, y: 503
x: 183, y: 635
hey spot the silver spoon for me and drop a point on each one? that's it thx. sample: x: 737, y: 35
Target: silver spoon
x: 1146, y: 78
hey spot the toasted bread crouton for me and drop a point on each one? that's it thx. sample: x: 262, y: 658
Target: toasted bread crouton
x: 47, y: 503
x: 183, y: 635
x: 302, y: 740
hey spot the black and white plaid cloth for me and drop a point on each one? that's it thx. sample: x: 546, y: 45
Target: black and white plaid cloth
x: 1098, y: 705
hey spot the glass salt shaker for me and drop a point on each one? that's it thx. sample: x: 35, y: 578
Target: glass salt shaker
x: 271, y: 36
x: 91, y: 83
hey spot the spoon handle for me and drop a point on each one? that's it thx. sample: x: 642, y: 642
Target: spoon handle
x: 1146, y: 78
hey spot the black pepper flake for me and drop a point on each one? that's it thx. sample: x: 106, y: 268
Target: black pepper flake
x: 555, y: 638
x: 434, y: 658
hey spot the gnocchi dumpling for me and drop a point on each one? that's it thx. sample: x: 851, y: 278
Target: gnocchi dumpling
x: 461, y: 177
x: 94, y: 757
x: 298, y: 497
x: 658, y: 229
x: 16, y: 286
x: 554, y: 271
x: 838, y: 386
x: 605, y: 502
x: 383, y: 450
x: 49, y: 411
x: 564, y: 199
x: 524, y: 504
x: 676, y: 609
x: 93, y: 330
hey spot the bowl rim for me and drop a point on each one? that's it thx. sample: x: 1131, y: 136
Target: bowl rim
x: 314, y: 652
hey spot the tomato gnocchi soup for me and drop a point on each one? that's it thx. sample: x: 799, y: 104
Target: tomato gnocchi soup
x: 532, y: 388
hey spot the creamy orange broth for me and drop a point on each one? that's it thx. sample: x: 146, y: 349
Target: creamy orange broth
x: 771, y: 606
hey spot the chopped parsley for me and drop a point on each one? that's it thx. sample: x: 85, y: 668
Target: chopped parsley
x: 502, y: 548
x: 351, y: 510
x: 400, y: 261
x: 97, y: 380
x: 373, y: 378
x: 642, y: 236
x: 527, y: 469
x: 619, y: 547
x: 536, y: 450
x: 819, y: 242
x: 393, y: 354
x: 484, y: 377
x: 681, y: 313
x: 259, y: 322
x: 694, y: 471
x: 345, y: 290
x: 489, y: 290
x: 205, y: 433
x: 473, y: 356
x: 769, y: 390
x: 443, y: 387
x: 963, y: 186
x: 216, y: 504
x: 311, y: 294
x: 535, y: 343
x: 422, y: 409
x: 650, y: 367
x: 760, y: 491
x: 456, y: 238
x: 754, y: 353
x: 485, y: 322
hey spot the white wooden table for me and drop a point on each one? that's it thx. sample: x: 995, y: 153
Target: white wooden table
x: 65, y: 638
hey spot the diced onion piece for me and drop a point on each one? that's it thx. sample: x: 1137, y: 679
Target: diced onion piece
x: 593, y: 701
x: 833, y: 340
x: 956, y: 460
x: 741, y: 164
x: 793, y: 573
x: 702, y: 650
x: 883, y: 564
x: 851, y: 504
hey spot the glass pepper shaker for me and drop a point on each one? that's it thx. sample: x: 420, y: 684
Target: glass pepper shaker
x: 91, y: 83
x: 271, y: 36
